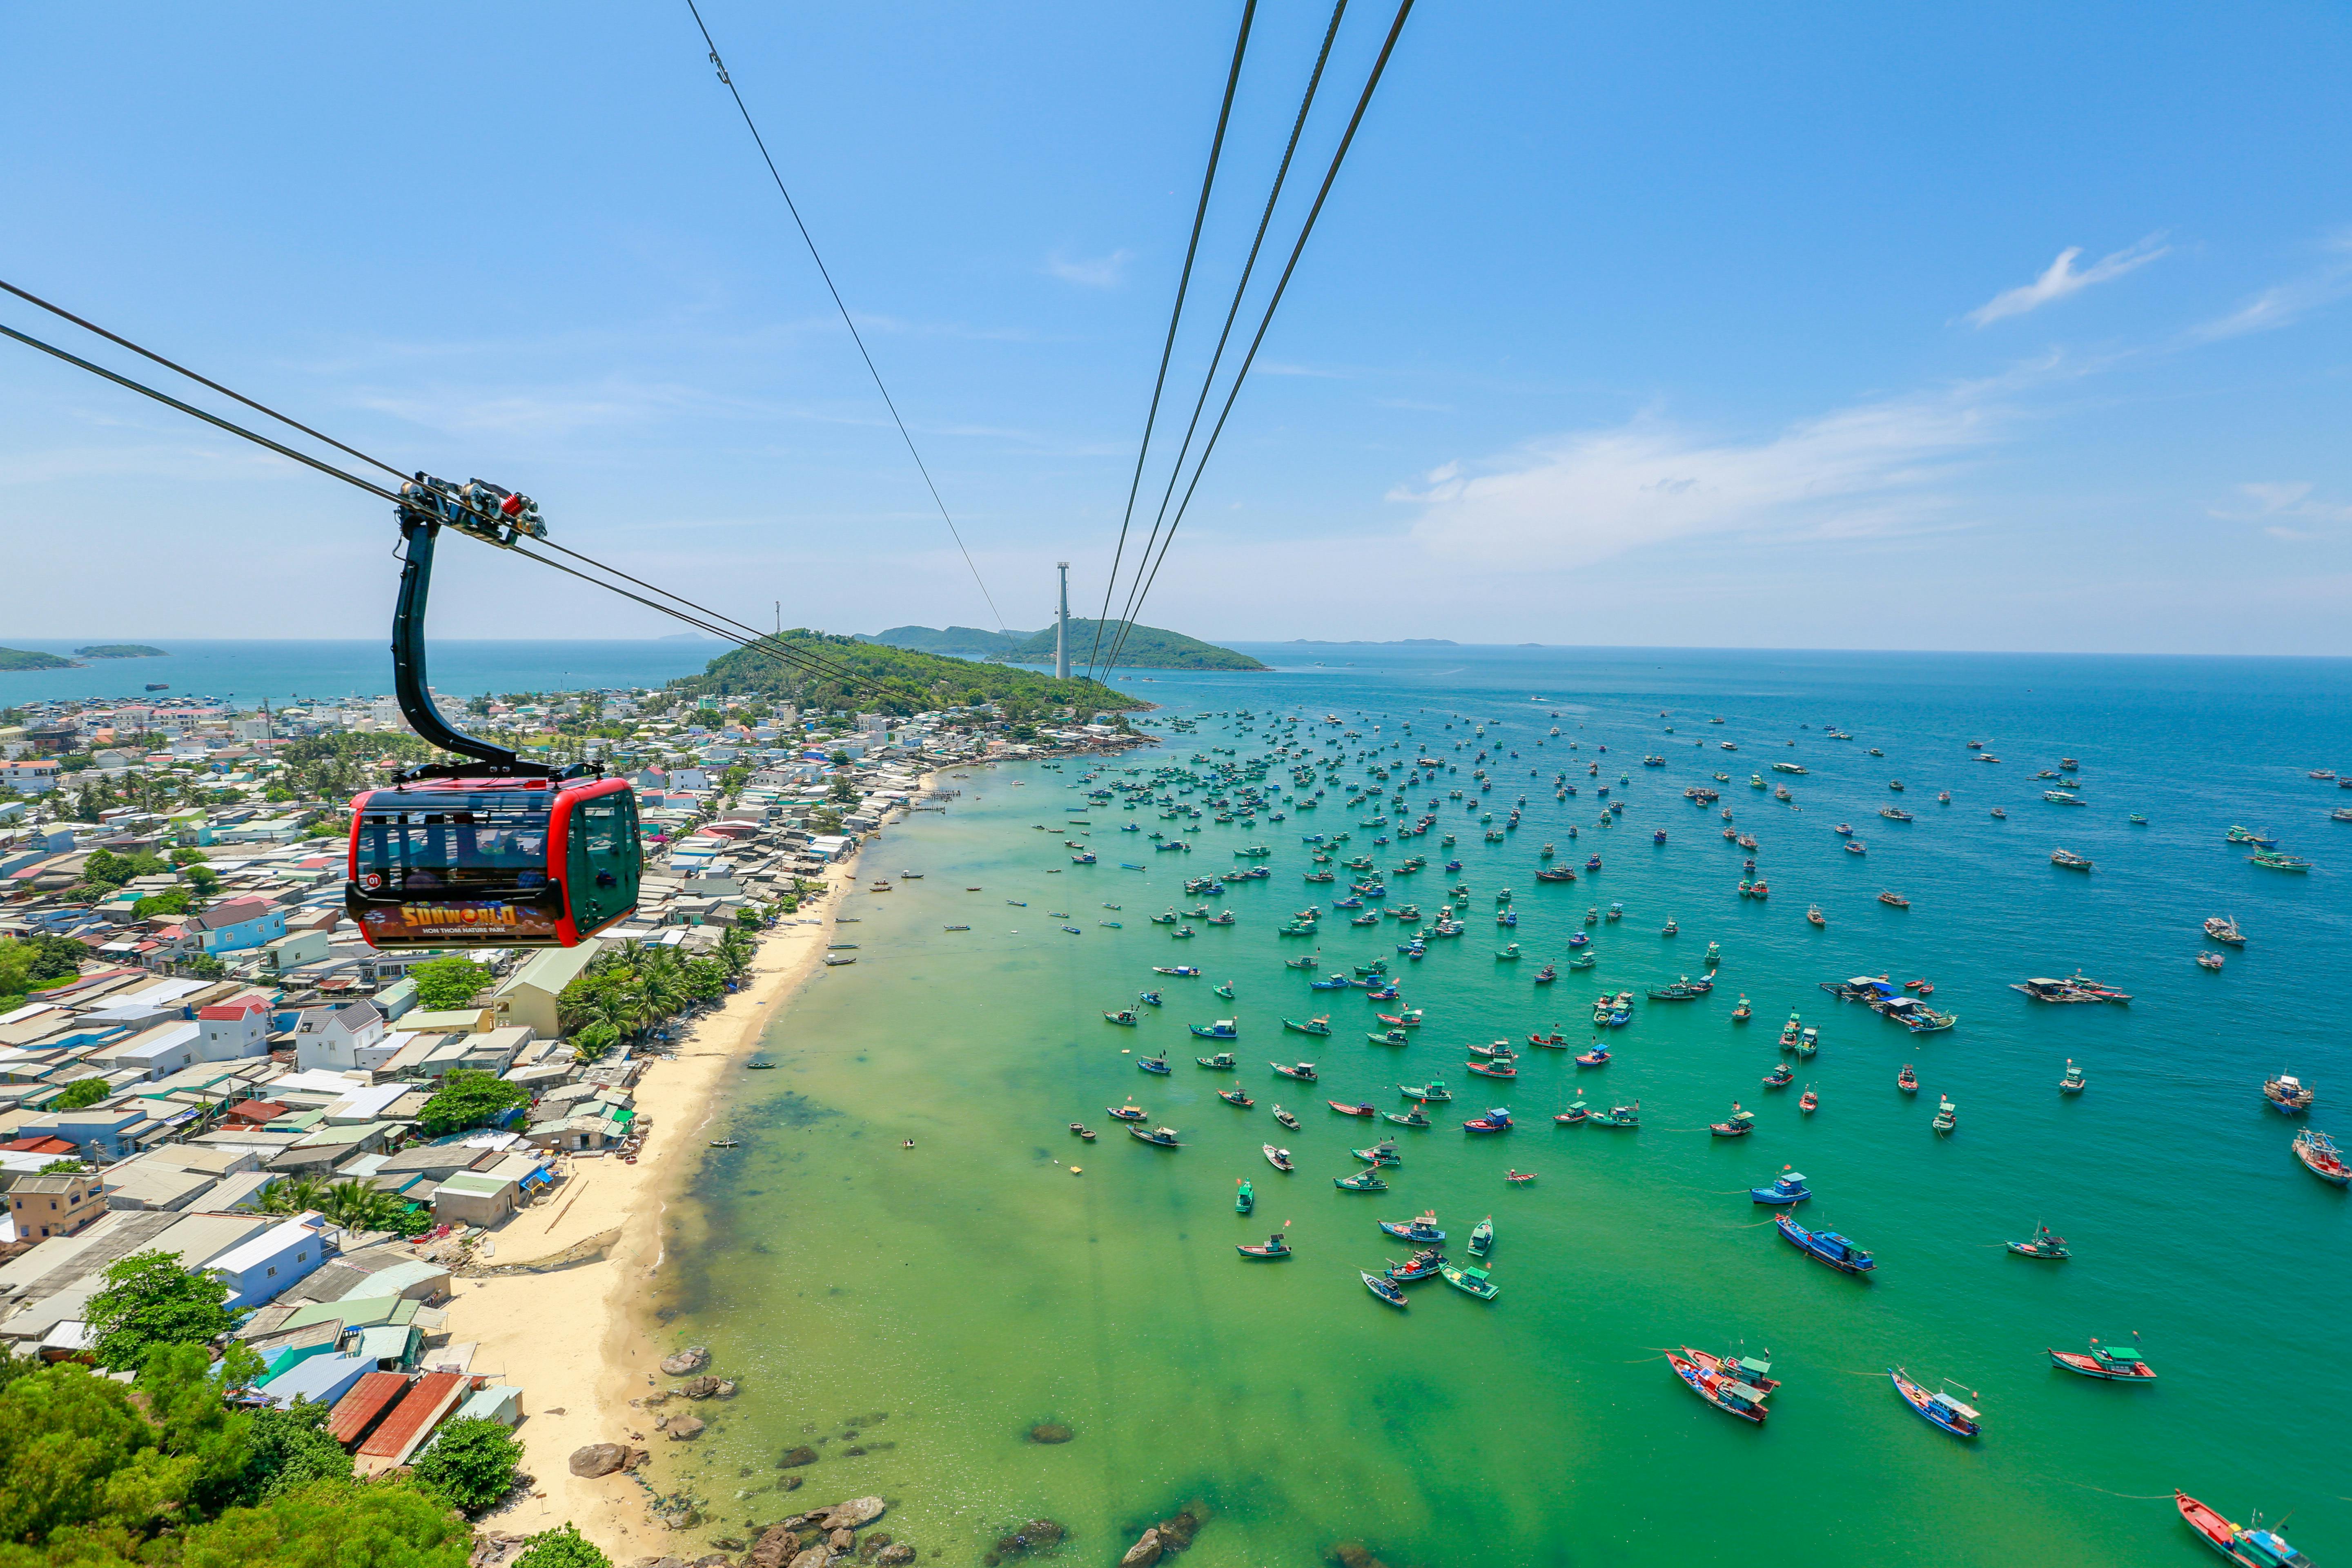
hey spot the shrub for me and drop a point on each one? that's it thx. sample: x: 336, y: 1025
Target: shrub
x: 472, y: 1463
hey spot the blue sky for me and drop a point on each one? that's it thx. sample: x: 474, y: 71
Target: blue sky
x: 2013, y: 328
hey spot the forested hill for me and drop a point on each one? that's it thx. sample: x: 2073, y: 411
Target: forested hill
x: 958, y: 642
x: 880, y: 680
x: 1148, y: 647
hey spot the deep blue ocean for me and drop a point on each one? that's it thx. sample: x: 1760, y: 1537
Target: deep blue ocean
x: 282, y: 670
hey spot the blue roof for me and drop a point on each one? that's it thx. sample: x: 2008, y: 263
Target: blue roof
x: 320, y: 1380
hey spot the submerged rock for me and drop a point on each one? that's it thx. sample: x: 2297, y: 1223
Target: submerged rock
x: 803, y: 1455
x: 1050, y: 1432
x: 895, y: 1555
x: 682, y: 1429
x: 688, y: 1362
x: 1144, y: 1552
x: 855, y: 1514
x: 708, y: 1388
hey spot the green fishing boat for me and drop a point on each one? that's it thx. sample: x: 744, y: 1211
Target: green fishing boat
x: 1244, y: 1197
x: 1310, y: 961
x: 1226, y: 990
x: 1470, y: 1280
x: 1322, y: 1025
x: 1482, y: 1236
x: 1435, y: 1089
x: 1583, y: 961
x: 1617, y: 1116
x: 1389, y: 1038
x: 1413, y: 1118
x: 1361, y: 1181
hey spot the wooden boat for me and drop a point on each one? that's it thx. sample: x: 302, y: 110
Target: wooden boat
x: 1151, y: 998
x: 1285, y: 1118
x: 1416, y: 1117
x: 1381, y: 1285
x: 1741, y: 1013
x: 1318, y: 1025
x: 1222, y: 1059
x: 1938, y: 1409
x: 1359, y: 1108
x: 1127, y: 1016
x: 1422, y: 1264
x: 1274, y: 1247
x: 1383, y: 1152
x: 1422, y: 1227
x: 1496, y: 1120
x: 1226, y: 990
x: 1304, y: 1072
x: 2046, y: 1243
x: 2106, y: 1364
x: 1083, y: 1130
x: 2070, y: 860
x: 1947, y: 1116
x: 1235, y: 1097
x: 1493, y: 1070
x: 1470, y: 1280
x: 1158, y: 1137
x: 1787, y: 1188
x: 1809, y: 1042
x: 1184, y: 971
x: 2224, y: 928
x: 2074, y: 1082
x: 1482, y: 1236
x: 1906, y: 1080
x: 1158, y: 1064
x: 1245, y: 1196
x: 2208, y: 961
x: 1559, y: 1040
x: 2287, y: 1094
x: 1435, y: 1089
x: 1388, y: 1037
x: 1618, y: 1116
x: 2320, y: 1156
x: 1725, y: 1394
x: 1408, y: 1019
x: 1361, y: 1181
x: 1825, y: 1247
x: 1809, y: 1103
x: 1130, y: 1112
x: 1739, y: 1124
x: 1519, y: 1177
x: 1781, y: 1077
x: 1574, y: 1114
x: 1895, y: 899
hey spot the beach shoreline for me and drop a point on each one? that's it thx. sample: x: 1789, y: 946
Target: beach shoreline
x: 533, y: 1329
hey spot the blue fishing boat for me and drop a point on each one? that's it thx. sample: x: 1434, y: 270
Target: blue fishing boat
x: 1422, y: 1264
x: 1381, y: 1285
x: 1158, y: 1064
x: 1788, y: 1187
x: 1222, y: 1029
x: 1938, y: 1408
x: 1825, y: 1247
x: 1496, y: 1120
x: 1421, y: 1228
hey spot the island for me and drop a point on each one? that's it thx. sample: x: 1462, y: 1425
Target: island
x: 26, y: 659
x: 1147, y: 647
x: 956, y: 642
x: 120, y: 650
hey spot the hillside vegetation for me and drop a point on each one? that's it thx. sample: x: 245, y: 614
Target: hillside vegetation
x: 883, y: 680
x: 26, y: 659
x: 956, y: 642
x: 1148, y: 647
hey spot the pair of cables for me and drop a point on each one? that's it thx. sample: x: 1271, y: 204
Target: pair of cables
x: 1164, y: 524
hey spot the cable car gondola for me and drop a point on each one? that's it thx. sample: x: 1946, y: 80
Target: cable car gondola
x: 493, y: 852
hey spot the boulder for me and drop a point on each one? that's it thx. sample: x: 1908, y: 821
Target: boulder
x: 599, y: 1459
x: 897, y: 1554
x: 1050, y: 1432
x: 688, y: 1362
x: 706, y: 1387
x: 683, y: 1428
x: 799, y: 1456
x: 843, y: 1539
x: 1144, y: 1552
x: 814, y: 1557
x: 777, y: 1545
x: 855, y: 1514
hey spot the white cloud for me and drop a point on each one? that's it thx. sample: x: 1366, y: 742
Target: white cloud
x: 1873, y: 468
x: 2059, y: 279
x: 2275, y: 501
x: 2282, y: 303
x: 1098, y: 272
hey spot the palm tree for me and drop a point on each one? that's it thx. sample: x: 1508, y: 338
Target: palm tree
x: 663, y: 990
x: 295, y: 1194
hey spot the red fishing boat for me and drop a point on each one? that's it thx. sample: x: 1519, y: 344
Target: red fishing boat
x: 2106, y: 1363
x: 1725, y: 1394
x: 1357, y: 1109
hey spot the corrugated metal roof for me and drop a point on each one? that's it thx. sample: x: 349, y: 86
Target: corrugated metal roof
x: 357, y: 1411
x: 319, y: 1379
x: 412, y: 1420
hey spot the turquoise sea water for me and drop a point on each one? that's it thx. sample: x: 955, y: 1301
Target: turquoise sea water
x: 283, y: 669
x: 972, y: 1287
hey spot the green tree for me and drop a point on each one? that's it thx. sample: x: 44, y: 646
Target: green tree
x: 203, y: 879
x: 294, y: 1195
x: 81, y: 1093
x: 445, y: 982
x: 151, y: 1300
x: 334, y: 1524
x: 593, y: 1042
x: 170, y: 901
x: 290, y: 1450
x: 472, y: 1463
x: 203, y: 965
x: 468, y: 1099
x: 703, y: 980
x: 65, y: 1167
x: 563, y: 1547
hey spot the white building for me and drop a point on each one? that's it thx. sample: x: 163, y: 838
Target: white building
x: 345, y: 1037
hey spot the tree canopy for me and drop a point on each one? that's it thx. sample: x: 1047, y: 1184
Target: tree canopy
x: 471, y: 1462
x: 151, y: 1300
x: 443, y: 983
x: 469, y: 1098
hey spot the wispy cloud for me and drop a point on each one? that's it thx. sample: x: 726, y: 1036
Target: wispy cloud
x: 1877, y: 467
x: 2278, y: 505
x: 2060, y: 278
x: 2283, y: 302
x: 1096, y: 272
x: 1279, y: 367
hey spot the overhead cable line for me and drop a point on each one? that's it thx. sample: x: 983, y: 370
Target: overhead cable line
x: 698, y: 616
x: 823, y: 271
x: 1241, y: 376
x: 1176, y: 314
x: 1208, y: 379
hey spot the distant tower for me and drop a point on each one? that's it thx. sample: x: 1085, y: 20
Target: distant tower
x: 1062, y: 626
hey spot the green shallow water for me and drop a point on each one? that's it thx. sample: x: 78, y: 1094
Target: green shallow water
x: 972, y: 1287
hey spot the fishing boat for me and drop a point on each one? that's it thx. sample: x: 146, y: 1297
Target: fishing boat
x: 1940, y: 1408
x: 1245, y: 1196
x: 1739, y: 1124
x: 2224, y: 928
x: 1158, y: 1137
x: 1496, y: 1120
x: 1713, y: 954
x: 2320, y: 1156
x: 1225, y: 989
x: 1127, y: 1016
x: 1790, y: 1033
x: 1235, y: 1096
x: 1183, y: 971
x: 1725, y: 1394
x: 1482, y: 1236
x: 1158, y: 1064
x: 1274, y: 1247
x: 1359, y: 1109
x: 2106, y: 1363
x: 1285, y: 1118
x: 1151, y: 998
x: 1598, y: 1056
x: 1422, y: 1265
x: 2074, y: 1082
x: 1408, y: 1019
x: 2000, y: 812
x: 1825, y: 1247
x: 1809, y: 1103
x: 1583, y: 961
x: 1423, y: 1228
x: 1381, y: 1285
x: 1222, y: 1029
x: 1416, y: 1117
x: 2245, y: 835
x: 1493, y: 1068
x: 1781, y: 1077
x: 1383, y: 1152
x: 1361, y: 1181
x: 1741, y: 1013
x: 1787, y: 1188
x: 2070, y: 860
x: 1947, y: 1115
x: 1897, y: 900
x: 2248, y: 1548
x: 1556, y: 1040
x: 1435, y: 1090
x: 2287, y: 1094
x: 1221, y: 1059
x: 1303, y: 1071
x: 2046, y: 1243
x: 2271, y: 860
x: 1684, y: 989
x: 1500, y: 1050
x: 1471, y: 1280
x: 1318, y: 1025
x: 1130, y: 1112
x: 1618, y: 1116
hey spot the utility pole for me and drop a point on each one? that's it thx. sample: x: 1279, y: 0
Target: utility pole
x: 1062, y: 626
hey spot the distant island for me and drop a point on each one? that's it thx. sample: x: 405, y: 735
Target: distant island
x: 1393, y: 642
x: 26, y: 659
x: 1147, y: 647
x: 120, y: 650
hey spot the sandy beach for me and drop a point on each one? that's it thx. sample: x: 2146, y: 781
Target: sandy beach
x: 580, y: 1341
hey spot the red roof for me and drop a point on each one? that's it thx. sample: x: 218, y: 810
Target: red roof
x: 256, y: 1111
x: 233, y: 1011
x: 356, y: 1412
x: 414, y: 1418
x: 44, y: 1144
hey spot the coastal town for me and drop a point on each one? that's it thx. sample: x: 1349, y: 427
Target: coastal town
x: 205, y: 1068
